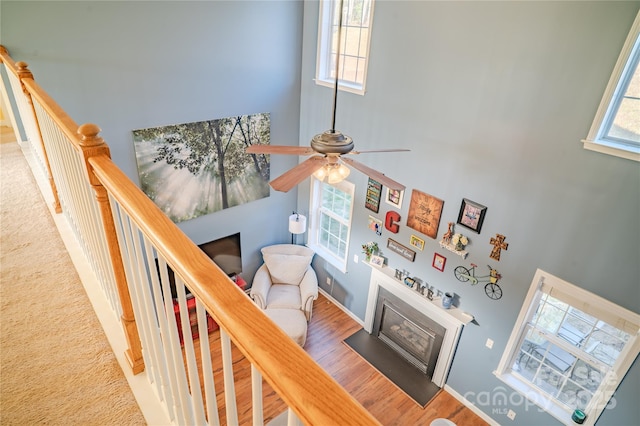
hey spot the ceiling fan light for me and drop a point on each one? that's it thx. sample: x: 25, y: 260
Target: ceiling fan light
x: 338, y: 174
x: 344, y: 171
x: 321, y: 173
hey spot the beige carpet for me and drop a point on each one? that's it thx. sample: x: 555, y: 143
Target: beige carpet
x: 56, y: 365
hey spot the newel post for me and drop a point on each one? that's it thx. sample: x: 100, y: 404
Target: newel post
x: 23, y: 73
x: 93, y: 145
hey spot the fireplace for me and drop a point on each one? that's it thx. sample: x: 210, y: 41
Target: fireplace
x: 419, y: 329
x: 408, y: 332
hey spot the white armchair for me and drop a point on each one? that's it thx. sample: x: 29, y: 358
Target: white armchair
x: 286, y: 280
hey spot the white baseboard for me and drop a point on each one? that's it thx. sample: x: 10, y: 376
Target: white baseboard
x: 341, y: 307
x: 484, y: 416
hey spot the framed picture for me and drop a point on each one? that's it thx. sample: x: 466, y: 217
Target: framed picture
x: 439, y: 262
x: 372, y: 201
x: 376, y: 260
x: 417, y: 242
x: 471, y: 215
x: 424, y: 213
x: 375, y: 225
x: 394, y: 197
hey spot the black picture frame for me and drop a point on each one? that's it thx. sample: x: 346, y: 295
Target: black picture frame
x: 471, y: 215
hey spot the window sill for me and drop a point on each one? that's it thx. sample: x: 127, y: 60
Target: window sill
x: 534, y: 396
x: 617, y: 150
x: 345, y: 87
x: 339, y: 264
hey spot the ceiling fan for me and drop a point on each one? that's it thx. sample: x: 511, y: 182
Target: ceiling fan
x: 326, y: 150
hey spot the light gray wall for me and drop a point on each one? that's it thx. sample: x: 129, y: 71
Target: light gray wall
x: 493, y: 99
x: 133, y: 65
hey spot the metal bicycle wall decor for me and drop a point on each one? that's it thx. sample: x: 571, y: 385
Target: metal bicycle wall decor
x: 491, y: 288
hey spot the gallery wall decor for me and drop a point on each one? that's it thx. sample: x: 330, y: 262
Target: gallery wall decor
x: 375, y: 225
x: 424, y: 213
x: 471, y: 215
x: 193, y: 169
x: 491, y: 288
x: 403, y: 251
x: 377, y: 260
x: 498, y: 245
x: 398, y: 274
x: 438, y: 262
x: 446, y: 237
x: 372, y: 201
x: 391, y: 221
x: 394, y: 197
x: 416, y: 242
x: 454, y: 242
x: 409, y: 281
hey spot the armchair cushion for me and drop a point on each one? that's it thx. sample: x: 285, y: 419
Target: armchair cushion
x: 287, y: 263
x: 284, y: 296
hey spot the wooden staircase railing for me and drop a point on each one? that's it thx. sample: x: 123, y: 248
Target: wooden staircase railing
x: 141, y: 244
x: 16, y: 73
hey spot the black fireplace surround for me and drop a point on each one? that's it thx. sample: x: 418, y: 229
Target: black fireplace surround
x: 411, y: 334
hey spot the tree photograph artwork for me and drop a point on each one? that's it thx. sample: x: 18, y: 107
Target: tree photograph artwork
x: 193, y: 169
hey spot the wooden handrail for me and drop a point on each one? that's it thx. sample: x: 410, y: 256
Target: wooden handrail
x: 91, y: 145
x: 307, y: 389
x: 85, y: 141
x: 23, y: 74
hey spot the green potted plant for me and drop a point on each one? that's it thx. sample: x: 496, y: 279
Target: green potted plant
x: 370, y: 248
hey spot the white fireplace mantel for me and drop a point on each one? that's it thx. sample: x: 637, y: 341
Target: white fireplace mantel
x: 453, y: 319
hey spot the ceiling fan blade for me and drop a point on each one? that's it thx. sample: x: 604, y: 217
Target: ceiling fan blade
x: 279, y: 149
x: 378, y: 150
x: 289, y: 179
x: 374, y: 174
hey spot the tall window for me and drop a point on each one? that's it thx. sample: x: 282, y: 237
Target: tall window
x: 616, y: 127
x: 330, y: 220
x: 357, y: 16
x: 569, y: 349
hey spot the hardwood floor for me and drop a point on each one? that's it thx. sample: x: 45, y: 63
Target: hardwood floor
x: 328, y: 328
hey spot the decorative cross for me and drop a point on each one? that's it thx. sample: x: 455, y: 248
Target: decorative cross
x: 498, y: 244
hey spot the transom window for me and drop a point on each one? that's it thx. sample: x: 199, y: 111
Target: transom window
x: 616, y: 127
x: 357, y: 16
x: 569, y: 349
x: 330, y: 227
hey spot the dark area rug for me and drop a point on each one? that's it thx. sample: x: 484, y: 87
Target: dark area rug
x: 393, y: 366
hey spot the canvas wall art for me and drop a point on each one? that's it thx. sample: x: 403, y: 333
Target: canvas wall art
x: 194, y: 169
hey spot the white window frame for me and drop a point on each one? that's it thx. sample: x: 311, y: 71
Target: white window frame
x: 603, y: 309
x: 596, y: 140
x: 324, y: 60
x: 315, y: 212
